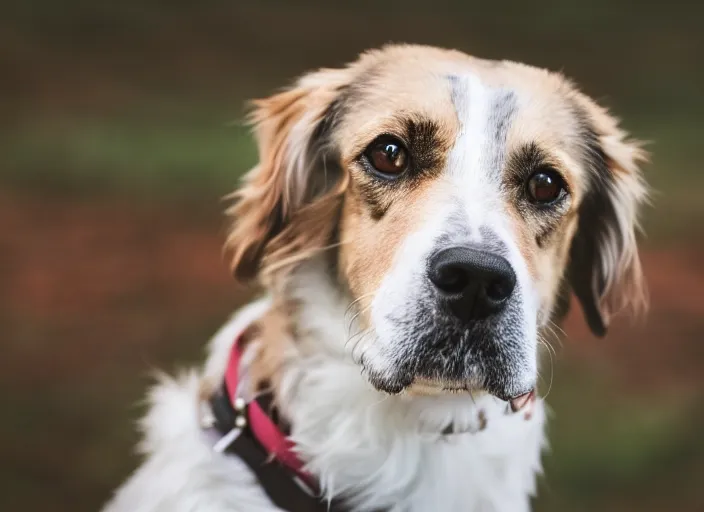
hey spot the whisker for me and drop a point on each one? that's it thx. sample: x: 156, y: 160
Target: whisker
x: 352, y: 304
x: 545, y: 343
x: 552, y: 367
x: 360, y: 336
x: 558, y: 337
x: 352, y: 320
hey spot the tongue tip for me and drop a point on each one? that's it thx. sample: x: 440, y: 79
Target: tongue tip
x: 521, y: 401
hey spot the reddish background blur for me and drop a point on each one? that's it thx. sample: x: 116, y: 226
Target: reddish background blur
x: 116, y: 145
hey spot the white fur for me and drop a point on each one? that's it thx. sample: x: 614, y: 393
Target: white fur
x: 472, y: 202
x: 181, y: 472
x: 380, y: 451
x: 467, y: 167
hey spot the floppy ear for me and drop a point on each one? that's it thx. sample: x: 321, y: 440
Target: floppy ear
x: 604, y: 270
x: 283, y: 211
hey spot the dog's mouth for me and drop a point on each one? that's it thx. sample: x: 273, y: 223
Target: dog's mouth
x: 426, y: 387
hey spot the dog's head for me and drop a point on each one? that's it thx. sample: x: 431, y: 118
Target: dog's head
x: 460, y: 202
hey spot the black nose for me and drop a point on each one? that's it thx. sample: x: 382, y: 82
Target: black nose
x: 473, y: 283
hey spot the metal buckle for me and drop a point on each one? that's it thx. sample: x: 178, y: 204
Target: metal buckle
x: 240, y: 406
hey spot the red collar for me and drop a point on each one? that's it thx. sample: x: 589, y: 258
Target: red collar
x: 260, y: 424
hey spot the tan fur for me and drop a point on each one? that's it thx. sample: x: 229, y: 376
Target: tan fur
x: 273, y: 219
x: 369, y: 246
x: 626, y: 289
x: 274, y: 339
x: 525, y: 242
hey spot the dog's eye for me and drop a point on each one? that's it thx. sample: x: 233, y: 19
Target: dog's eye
x: 545, y: 186
x: 387, y: 155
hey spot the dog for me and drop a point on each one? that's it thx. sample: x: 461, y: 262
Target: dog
x: 419, y: 220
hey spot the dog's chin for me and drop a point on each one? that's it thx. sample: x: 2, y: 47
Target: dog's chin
x: 427, y: 387
x: 451, y: 359
x: 421, y: 386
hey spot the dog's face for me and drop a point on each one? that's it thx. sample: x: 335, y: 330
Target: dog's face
x: 462, y: 199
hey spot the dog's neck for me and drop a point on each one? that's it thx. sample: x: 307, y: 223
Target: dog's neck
x: 390, y: 452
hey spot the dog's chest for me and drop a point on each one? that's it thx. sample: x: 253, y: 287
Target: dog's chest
x: 366, y: 448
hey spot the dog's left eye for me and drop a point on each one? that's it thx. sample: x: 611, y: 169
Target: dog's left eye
x: 545, y: 187
x: 387, y: 155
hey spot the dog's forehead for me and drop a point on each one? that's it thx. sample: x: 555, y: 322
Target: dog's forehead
x: 409, y: 70
x: 520, y: 103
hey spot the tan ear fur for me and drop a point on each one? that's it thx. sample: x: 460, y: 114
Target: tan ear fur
x: 625, y: 287
x: 605, y: 270
x: 283, y: 211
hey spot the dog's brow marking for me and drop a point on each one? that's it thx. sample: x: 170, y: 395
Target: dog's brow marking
x: 455, y: 89
x: 503, y: 108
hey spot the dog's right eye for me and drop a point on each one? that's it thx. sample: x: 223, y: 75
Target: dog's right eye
x: 387, y: 155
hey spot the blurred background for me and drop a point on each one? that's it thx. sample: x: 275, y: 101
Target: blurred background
x: 120, y: 133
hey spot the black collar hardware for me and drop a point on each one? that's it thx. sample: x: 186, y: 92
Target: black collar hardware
x: 278, y: 482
